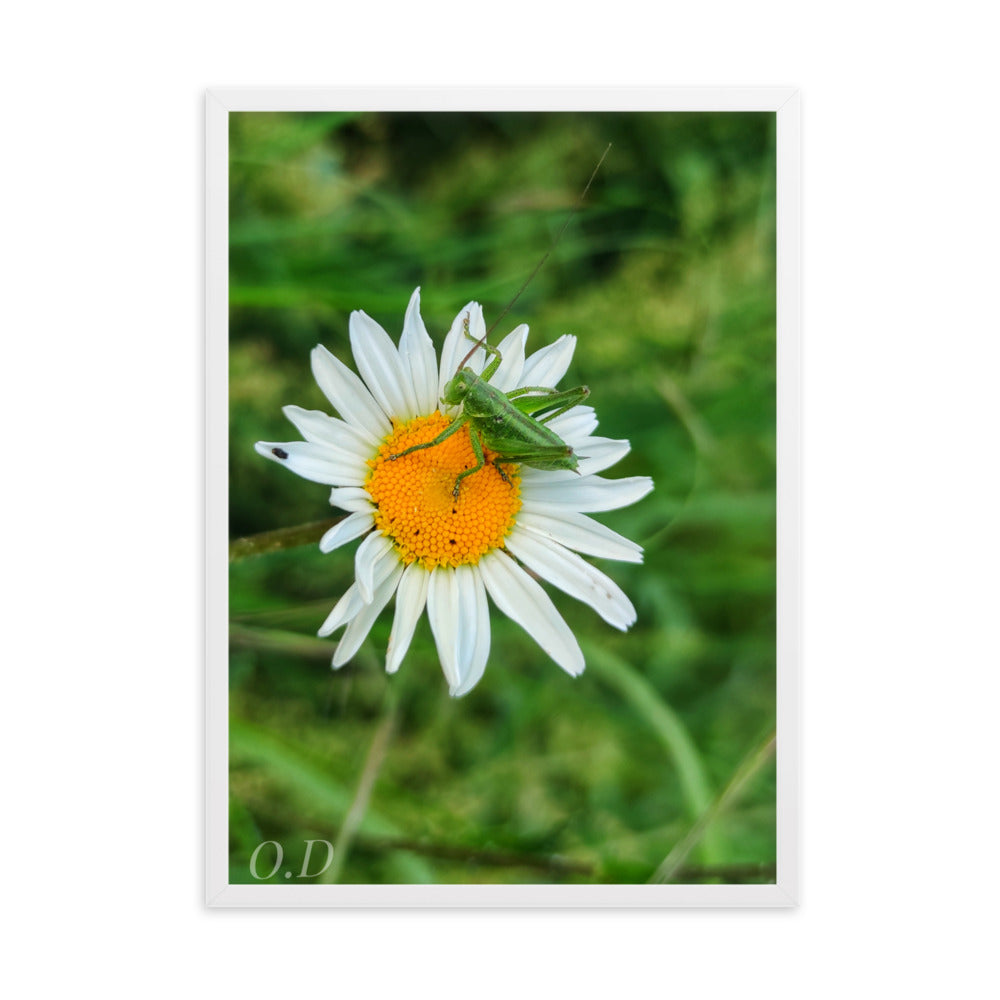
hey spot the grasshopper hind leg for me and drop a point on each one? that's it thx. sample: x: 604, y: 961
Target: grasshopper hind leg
x: 503, y: 475
x: 498, y: 464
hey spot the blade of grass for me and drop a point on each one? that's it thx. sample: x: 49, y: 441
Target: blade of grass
x: 668, y: 727
x: 362, y: 794
x: 672, y: 864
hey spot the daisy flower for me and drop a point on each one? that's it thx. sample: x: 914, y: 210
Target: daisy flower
x: 430, y: 548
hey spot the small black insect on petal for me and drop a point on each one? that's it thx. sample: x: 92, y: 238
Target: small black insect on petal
x: 279, y: 453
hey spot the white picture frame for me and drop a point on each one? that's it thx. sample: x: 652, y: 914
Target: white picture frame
x: 784, y: 102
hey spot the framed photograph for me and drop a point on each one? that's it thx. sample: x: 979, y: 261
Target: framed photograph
x: 502, y: 537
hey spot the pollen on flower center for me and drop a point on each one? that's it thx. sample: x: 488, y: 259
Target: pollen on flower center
x: 416, y: 505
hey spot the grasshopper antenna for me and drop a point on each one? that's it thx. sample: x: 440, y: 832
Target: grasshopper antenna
x: 569, y: 218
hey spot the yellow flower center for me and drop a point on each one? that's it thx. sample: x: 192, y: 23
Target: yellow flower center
x: 415, y: 500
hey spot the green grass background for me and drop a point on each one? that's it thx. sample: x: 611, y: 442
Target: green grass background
x: 666, y: 277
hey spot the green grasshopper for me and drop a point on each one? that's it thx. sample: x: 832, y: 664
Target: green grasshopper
x: 510, y: 424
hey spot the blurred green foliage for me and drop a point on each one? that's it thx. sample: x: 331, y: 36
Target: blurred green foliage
x: 667, y: 278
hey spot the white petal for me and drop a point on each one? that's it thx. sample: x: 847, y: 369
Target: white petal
x: 410, y: 600
x: 381, y: 367
x: 591, y: 493
x: 598, y: 453
x: 594, y: 455
x: 320, y: 428
x: 478, y: 622
x: 581, y: 533
x: 573, y: 576
x: 351, y: 498
x: 352, y: 603
x: 519, y: 597
x: 511, y: 349
x: 417, y: 351
x: 442, y: 613
x: 375, y: 548
x: 467, y: 620
x: 315, y: 462
x: 347, y: 530
x: 574, y: 425
x: 349, y: 396
x: 359, y: 627
x: 457, y: 345
x: 343, y: 611
x: 547, y: 366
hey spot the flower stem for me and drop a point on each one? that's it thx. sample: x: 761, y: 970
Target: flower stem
x: 274, y: 640
x: 280, y: 538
